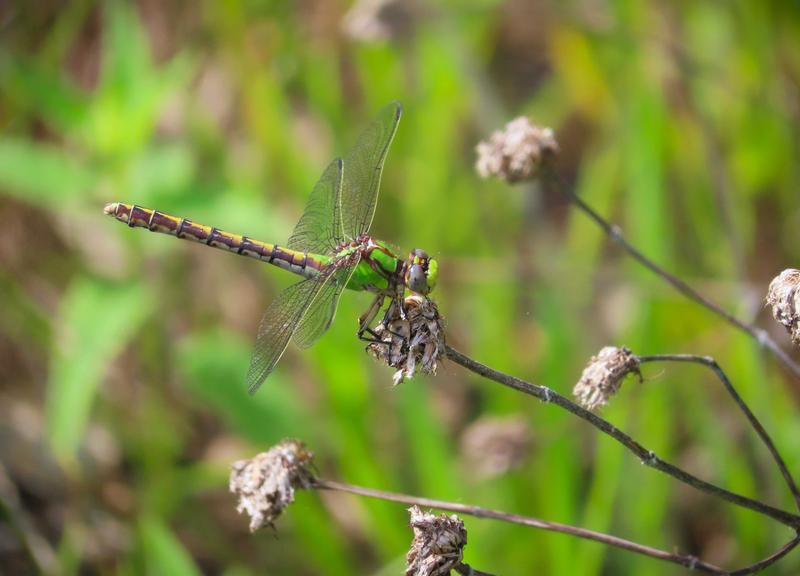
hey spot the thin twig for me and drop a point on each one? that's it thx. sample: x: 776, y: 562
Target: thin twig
x: 467, y: 570
x: 712, y: 364
x: 769, y: 560
x: 690, y: 562
x: 647, y: 457
x: 615, y: 233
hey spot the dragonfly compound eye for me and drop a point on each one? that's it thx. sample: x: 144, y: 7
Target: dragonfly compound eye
x: 420, y: 253
x: 416, y: 279
x: 432, y: 273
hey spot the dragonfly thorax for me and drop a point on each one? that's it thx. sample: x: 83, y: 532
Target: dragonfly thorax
x: 358, y: 243
x: 382, y: 271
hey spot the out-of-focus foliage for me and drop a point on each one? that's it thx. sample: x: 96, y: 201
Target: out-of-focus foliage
x: 123, y: 353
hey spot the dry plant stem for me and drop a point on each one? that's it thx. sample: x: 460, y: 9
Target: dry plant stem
x: 467, y: 570
x: 769, y: 560
x: 760, y: 335
x: 754, y: 422
x: 690, y: 562
x: 646, y: 456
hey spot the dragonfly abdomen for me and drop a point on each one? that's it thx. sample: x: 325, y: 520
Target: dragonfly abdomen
x: 300, y: 263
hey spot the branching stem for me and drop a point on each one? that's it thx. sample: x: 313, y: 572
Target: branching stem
x: 769, y: 560
x: 754, y: 421
x: 615, y: 233
x: 690, y: 562
x: 647, y: 457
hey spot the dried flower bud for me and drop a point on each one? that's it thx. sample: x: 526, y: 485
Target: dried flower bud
x: 410, y: 343
x: 784, y: 298
x: 265, y: 484
x: 438, y: 544
x: 493, y: 446
x: 379, y: 20
x: 516, y: 153
x: 603, y: 376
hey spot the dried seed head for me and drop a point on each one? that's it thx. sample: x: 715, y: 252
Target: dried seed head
x: 603, y: 376
x: 493, y: 446
x: 438, y: 544
x: 516, y: 153
x: 266, y: 484
x: 784, y: 298
x: 410, y: 343
x: 379, y: 20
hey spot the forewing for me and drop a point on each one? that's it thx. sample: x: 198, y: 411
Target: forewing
x: 278, y: 324
x: 320, y: 315
x: 362, y: 171
x: 319, y: 229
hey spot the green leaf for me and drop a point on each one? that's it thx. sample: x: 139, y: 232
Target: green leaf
x: 31, y: 87
x: 42, y: 174
x: 97, y: 319
x: 213, y: 366
x: 164, y: 554
x: 163, y: 170
x: 132, y: 92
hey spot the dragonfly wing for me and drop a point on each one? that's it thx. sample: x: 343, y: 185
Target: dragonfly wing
x: 279, y: 323
x: 323, y: 310
x: 362, y: 171
x: 319, y: 229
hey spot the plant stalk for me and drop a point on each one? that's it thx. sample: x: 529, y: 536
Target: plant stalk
x: 689, y: 562
x: 712, y: 364
x: 647, y: 457
x: 614, y: 232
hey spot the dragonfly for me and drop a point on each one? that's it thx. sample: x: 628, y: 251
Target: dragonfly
x: 330, y: 248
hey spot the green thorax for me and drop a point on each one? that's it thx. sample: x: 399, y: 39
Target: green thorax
x: 378, y: 270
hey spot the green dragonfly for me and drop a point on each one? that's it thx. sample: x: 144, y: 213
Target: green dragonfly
x: 330, y: 248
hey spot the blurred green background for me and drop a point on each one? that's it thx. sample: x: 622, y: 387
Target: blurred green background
x: 123, y: 353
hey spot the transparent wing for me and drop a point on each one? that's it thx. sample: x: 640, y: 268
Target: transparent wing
x: 319, y: 229
x: 322, y: 311
x: 279, y: 323
x: 362, y: 171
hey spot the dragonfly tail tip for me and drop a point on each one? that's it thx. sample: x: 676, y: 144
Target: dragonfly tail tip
x: 111, y: 208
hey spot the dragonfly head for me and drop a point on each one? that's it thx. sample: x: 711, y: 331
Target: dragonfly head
x: 421, y: 272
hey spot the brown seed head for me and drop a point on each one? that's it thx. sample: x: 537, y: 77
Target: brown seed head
x: 438, y: 544
x: 413, y: 343
x: 783, y: 296
x: 516, y: 153
x: 266, y: 484
x: 603, y: 376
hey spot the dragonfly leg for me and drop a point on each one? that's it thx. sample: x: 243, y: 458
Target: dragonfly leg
x: 400, y: 302
x: 367, y: 317
x: 390, y: 315
x: 369, y: 335
x: 391, y: 311
x: 365, y: 331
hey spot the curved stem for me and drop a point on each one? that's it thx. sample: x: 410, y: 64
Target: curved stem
x: 467, y: 570
x: 712, y: 364
x: 769, y: 560
x: 759, y: 335
x: 647, y: 457
x: 690, y: 562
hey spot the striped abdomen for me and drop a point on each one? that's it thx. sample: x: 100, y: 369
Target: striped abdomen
x: 134, y: 216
